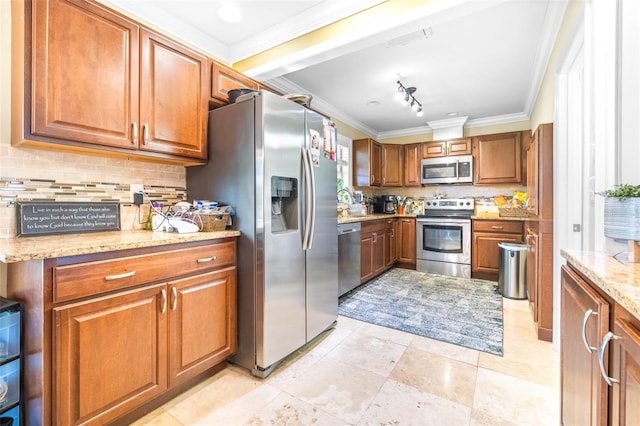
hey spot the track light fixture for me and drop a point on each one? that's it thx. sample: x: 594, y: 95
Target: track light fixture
x: 405, y: 96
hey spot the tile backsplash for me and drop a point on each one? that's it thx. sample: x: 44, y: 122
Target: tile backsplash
x: 28, y: 174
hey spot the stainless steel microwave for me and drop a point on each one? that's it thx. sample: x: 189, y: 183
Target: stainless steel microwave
x: 455, y: 169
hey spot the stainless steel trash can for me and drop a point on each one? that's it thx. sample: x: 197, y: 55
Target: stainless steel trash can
x: 512, y: 270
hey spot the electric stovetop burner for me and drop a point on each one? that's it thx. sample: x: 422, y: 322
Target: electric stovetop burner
x: 448, y: 207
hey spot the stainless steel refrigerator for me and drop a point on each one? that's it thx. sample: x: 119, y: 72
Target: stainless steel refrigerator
x: 263, y: 161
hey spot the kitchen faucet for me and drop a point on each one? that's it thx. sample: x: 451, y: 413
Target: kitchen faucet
x: 345, y: 190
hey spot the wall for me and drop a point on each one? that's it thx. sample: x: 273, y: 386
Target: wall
x: 543, y: 110
x: 71, y: 177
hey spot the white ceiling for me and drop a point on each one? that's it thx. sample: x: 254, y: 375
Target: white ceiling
x: 483, y: 59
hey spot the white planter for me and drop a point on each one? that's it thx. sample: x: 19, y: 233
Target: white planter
x: 622, y: 218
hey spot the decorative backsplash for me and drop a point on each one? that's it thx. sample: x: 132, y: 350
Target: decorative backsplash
x: 16, y: 189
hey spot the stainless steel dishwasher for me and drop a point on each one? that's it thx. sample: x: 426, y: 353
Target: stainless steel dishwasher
x: 348, y: 257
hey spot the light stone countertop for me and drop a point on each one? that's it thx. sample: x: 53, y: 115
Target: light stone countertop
x: 20, y: 249
x: 617, y: 278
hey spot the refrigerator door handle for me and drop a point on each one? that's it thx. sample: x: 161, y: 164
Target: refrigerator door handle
x: 307, y: 196
x: 313, y: 200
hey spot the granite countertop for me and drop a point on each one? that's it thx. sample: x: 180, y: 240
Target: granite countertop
x: 374, y: 216
x: 526, y: 219
x: 617, y: 278
x: 20, y: 249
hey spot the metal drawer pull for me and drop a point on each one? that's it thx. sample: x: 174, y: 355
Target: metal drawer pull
x: 605, y: 341
x: 207, y: 259
x: 119, y: 276
x: 135, y: 132
x: 174, y: 298
x: 145, y: 134
x: 163, y: 301
x: 587, y: 345
x: 497, y: 227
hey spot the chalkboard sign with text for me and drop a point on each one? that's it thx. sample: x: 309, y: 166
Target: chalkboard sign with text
x: 49, y: 218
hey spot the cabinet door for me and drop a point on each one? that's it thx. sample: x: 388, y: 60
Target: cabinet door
x: 498, y: 158
x: 392, y: 165
x: 412, y: 157
x: 532, y: 271
x: 376, y: 164
x: 84, y: 74
x: 533, y: 174
x: 366, y: 256
x: 407, y: 241
x: 434, y: 149
x: 110, y: 355
x: 485, y: 252
x: 224, y: 79
x: 626, y: 369
x: 174, y: 98
x: 459, y: 147
x: 202, y: 323
x: 379, y: 251
x: 366, y: 164
x: 389, y: 247
x: 584, y: 395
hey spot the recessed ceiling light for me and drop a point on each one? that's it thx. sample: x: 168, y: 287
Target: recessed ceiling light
x: 452, y: 114
x: 373, y: 103
x: 229, y: 12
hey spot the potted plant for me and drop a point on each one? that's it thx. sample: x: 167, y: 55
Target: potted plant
x: 622, y: 212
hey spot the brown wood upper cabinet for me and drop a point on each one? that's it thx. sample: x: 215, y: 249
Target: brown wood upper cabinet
x: 97, y: 80
x: 392, y: 165
x: 367, y: 162
x: 498, y: 158
x: 412, y: 156
x: 224, y: 79
x: 445, y: 148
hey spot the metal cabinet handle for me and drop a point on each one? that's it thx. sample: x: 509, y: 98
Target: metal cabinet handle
x: 163, y: 301
x: 174, y: 298
x: 145, y: 134
x: 605, y: 341
x: 119, y: 276
x: 375, y: 237
x: 587, y: 345
x: 527, y: 238
x: 207, y: 259
x: 497, y: 227
x: 135, y: 132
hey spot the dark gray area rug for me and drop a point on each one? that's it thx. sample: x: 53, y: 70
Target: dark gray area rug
x: 462, y: 311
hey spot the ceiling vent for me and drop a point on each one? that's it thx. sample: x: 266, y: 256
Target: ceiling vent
x: 409, y: 38
x: 451, y: 128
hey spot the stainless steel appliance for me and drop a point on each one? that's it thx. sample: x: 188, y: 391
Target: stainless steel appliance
x: 454, y: 169
x: 348, y: 257
x: 263, y: 162
x: 443, y: 237
x: 384, y: 204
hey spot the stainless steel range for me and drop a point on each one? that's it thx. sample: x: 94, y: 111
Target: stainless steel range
x: 443, y: 239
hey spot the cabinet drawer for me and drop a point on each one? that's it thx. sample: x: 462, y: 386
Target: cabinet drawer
x: 377, y: 225
x: 91, y: 278
x: 507, y: 226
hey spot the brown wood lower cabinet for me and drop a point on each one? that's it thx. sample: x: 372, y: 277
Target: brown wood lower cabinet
x: 485, y: 253
x: 591, y: 318
x: 146, y: 331
x: 375, y: 249
x: 385, y: 243
x: 406, y: 243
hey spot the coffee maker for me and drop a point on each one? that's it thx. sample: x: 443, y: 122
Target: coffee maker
x: 384, y: 204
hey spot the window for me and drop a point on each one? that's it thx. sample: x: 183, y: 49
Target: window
x: 343, y: 156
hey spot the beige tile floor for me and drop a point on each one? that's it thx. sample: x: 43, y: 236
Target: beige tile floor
x: 362, y: 374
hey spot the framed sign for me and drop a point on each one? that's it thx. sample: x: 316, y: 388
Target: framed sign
x: 50, y: 218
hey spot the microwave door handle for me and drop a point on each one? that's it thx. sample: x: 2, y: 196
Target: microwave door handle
x: 457, y: 170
